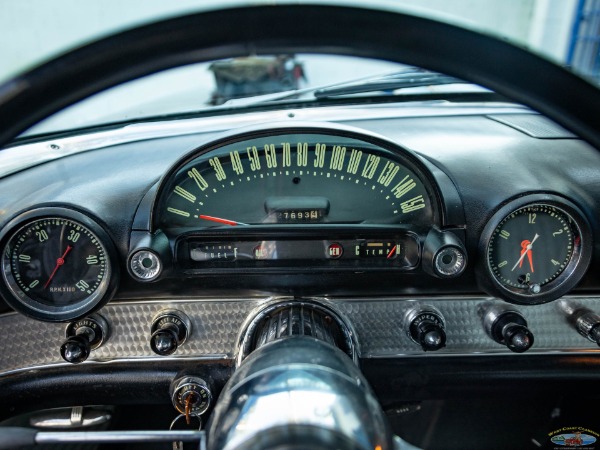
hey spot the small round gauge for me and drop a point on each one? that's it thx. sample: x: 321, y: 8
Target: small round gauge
x: 57, y: 266
x: 534, y: 251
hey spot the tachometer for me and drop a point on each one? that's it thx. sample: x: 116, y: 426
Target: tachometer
x: 302, y: 177
x: 56, y: 265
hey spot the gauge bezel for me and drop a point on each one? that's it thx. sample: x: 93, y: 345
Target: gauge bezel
x: 565, y: 281
x: 412, y: 161
x: 37, y: 310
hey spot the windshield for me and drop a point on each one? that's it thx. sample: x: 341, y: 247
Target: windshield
x: 561, y: 30
x: 232, y: 84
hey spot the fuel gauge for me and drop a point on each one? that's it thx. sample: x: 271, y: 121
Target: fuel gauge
x: 214, y: 251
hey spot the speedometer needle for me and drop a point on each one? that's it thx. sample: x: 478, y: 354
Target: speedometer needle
x: 59, y: 262
x: 233, y: 223
x: 526, y: 251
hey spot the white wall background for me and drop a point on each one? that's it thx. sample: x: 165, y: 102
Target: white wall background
x: 34, y: 30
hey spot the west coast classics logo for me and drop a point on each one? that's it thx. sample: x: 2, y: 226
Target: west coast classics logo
x: 574, y: 437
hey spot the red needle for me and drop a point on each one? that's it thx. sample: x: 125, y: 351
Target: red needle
x: 233, y: 223
x: 525, y: 249
x: 59, y: 262
x: 392, y: 252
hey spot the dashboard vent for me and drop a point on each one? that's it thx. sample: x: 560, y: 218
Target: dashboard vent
x: 533, y: 125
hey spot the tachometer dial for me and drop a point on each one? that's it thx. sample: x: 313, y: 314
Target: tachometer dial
x: 301, y: 177
x: 534, y: 252
x: 56, y: 267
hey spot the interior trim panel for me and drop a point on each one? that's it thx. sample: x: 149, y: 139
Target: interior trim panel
x: 217, y: 326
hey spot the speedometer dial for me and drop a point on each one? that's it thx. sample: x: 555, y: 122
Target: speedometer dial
x: 305, y: 177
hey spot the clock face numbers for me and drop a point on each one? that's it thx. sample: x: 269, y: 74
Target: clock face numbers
x: 533, y: 247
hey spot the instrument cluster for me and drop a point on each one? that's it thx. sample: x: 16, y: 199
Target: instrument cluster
x: 307, y: 199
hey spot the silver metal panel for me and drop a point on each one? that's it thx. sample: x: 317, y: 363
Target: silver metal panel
x: 26, y: 343
x: 381, y: 332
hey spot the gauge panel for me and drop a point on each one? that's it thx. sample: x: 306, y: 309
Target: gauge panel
x: 535, y: 249
x: 301, y: 177
x: 57, y: 264
x: 341, y: 249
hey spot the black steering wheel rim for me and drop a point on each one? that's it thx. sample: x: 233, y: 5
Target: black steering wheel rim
x: 502, y: 67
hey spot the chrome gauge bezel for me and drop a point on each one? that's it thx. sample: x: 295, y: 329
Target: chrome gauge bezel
x: 21, y: 302
x: 566, y: 280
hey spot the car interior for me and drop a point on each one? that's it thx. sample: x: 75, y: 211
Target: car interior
x: 363, y: 270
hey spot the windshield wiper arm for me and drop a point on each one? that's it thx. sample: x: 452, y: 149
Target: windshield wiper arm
x: 412, y: 77
x: 393, y: 82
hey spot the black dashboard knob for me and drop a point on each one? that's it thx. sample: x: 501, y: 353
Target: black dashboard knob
x: 517, y: 338
x: 75, y: 349
x: 83, y: 336
x: 506, y: 326
x: 426, y: 328
x: 170, y: 329
x: 164, y: 341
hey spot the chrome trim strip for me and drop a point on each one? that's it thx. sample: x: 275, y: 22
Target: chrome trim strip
x: 219, y: 324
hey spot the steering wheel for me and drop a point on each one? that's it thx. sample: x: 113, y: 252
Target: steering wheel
x: 504, y: 68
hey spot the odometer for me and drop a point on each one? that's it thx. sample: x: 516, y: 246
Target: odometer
x: 303, y: 177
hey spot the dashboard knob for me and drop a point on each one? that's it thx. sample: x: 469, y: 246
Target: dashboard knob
x: 170, y: 329
x: 75, y: 349
x: 426, y: 327
x: 585, y: 321
x: 83, y: 336
x: 506, y: 326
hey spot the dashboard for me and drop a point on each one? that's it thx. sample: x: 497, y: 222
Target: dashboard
x: 337, y: 210
x: 460, y: 231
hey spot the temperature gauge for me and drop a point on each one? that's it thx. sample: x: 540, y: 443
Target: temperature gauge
x: 378, y: 249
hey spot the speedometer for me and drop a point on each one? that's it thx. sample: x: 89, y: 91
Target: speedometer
x: 304, y: 176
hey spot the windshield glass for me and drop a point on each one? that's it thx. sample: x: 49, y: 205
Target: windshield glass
x: 565, y: 31
x: 232, y: 84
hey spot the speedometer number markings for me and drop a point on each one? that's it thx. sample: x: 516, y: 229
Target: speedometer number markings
x: 368, y: 180
x: 236, y: 162
x: 185, y: 194
x: 413, y: 204
x: 370, y: 166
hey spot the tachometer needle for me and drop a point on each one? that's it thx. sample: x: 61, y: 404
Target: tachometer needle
x: 233, y: 223
x: 526, y: 250
x: 59, y: 262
